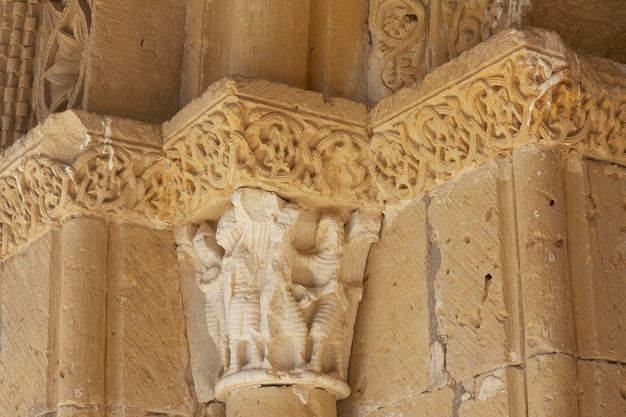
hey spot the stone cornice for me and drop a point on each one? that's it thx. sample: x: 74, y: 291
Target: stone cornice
x: 514, y: 89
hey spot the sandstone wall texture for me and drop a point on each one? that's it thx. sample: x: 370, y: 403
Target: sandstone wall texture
x: 498, y: 294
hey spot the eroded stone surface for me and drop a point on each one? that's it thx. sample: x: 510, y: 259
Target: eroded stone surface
x: 25, y: 326
x: 282, y: 286
x: 392, y: 337
x: 145, y: 321
x: 470, y: 308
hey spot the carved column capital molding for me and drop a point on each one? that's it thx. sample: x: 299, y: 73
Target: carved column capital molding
x: 312, y: 151
x: 533, y: 90
x: 282, y: 285
x: 261, y: 134
x: 76, y: 163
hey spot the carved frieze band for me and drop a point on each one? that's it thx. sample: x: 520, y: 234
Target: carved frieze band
x: 282, y: 287
x: 527, y: 97
x: 417, y: 138
x: 243, y: 142
x: 107, y: 179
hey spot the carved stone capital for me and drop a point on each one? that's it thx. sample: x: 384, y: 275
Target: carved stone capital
x: 282, y: 285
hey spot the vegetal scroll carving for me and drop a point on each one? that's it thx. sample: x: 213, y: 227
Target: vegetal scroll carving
x: 400, y: 35
x: 270, y: 146
x: 107, y: 180
x: 273, y: 302
x: 527, y: 98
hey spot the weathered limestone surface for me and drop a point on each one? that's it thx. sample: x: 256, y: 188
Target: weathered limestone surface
x: 542, y: 237
x: 288, y: 400
x: 78, y: 374
x: 551, y: 390
x: 391, y: 337
x: 590, y: 27
x: 491, y: 394
x: 468, y: 288
x: 337, y: 49
x: 437, y: 403
x: 602, y: 391
x: 147, y: 354
x: 110, y: 57
x: 596, y: 194
x: 497, y: 288
x: 234, y: 37
x: 25, y: 297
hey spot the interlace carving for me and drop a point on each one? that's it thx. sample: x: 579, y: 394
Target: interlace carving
x: 527, y: 98
x: 470, y: 22
x: 281, y: 291
x: 400, y: 33
x: 249, y: 144
x: 103, y: 179
x: 62, y: 66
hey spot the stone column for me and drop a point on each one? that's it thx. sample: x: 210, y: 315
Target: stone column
x: 282, y: 285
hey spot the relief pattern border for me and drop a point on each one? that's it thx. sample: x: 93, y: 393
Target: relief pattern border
x: 115, y: 180
x: 248, y: 141
x: 527, y: 96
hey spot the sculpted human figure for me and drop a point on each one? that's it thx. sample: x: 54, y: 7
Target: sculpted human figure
x: 325, y: 299
x: 282, y: 323
x: 255, y: 272
x: 210, y: 256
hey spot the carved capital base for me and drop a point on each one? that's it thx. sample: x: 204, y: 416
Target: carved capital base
x: 282, y: 286
x: 270, y: 377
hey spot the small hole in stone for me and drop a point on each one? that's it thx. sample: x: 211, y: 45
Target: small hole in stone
x: 488, y: 276
x: 551, y: 202
x: 467, y: 239
x: 411, y: 17
x: 560, y: 243
x: 447, y: 272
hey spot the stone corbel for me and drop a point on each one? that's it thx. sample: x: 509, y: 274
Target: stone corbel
x: 282, y: 286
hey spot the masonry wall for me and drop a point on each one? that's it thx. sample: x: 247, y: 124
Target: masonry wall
x: 92, y: 324
x: 494, y: 293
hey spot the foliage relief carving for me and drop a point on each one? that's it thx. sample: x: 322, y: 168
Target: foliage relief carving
x: 107, y: 180
x: 273, y: 147
x: 526, y: 99
x: 400, y: 34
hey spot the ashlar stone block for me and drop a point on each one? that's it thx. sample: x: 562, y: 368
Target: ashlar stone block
x: 147, y: 351
x: 26, y: 328
x: 392, y: 333
x: 469, y: 282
